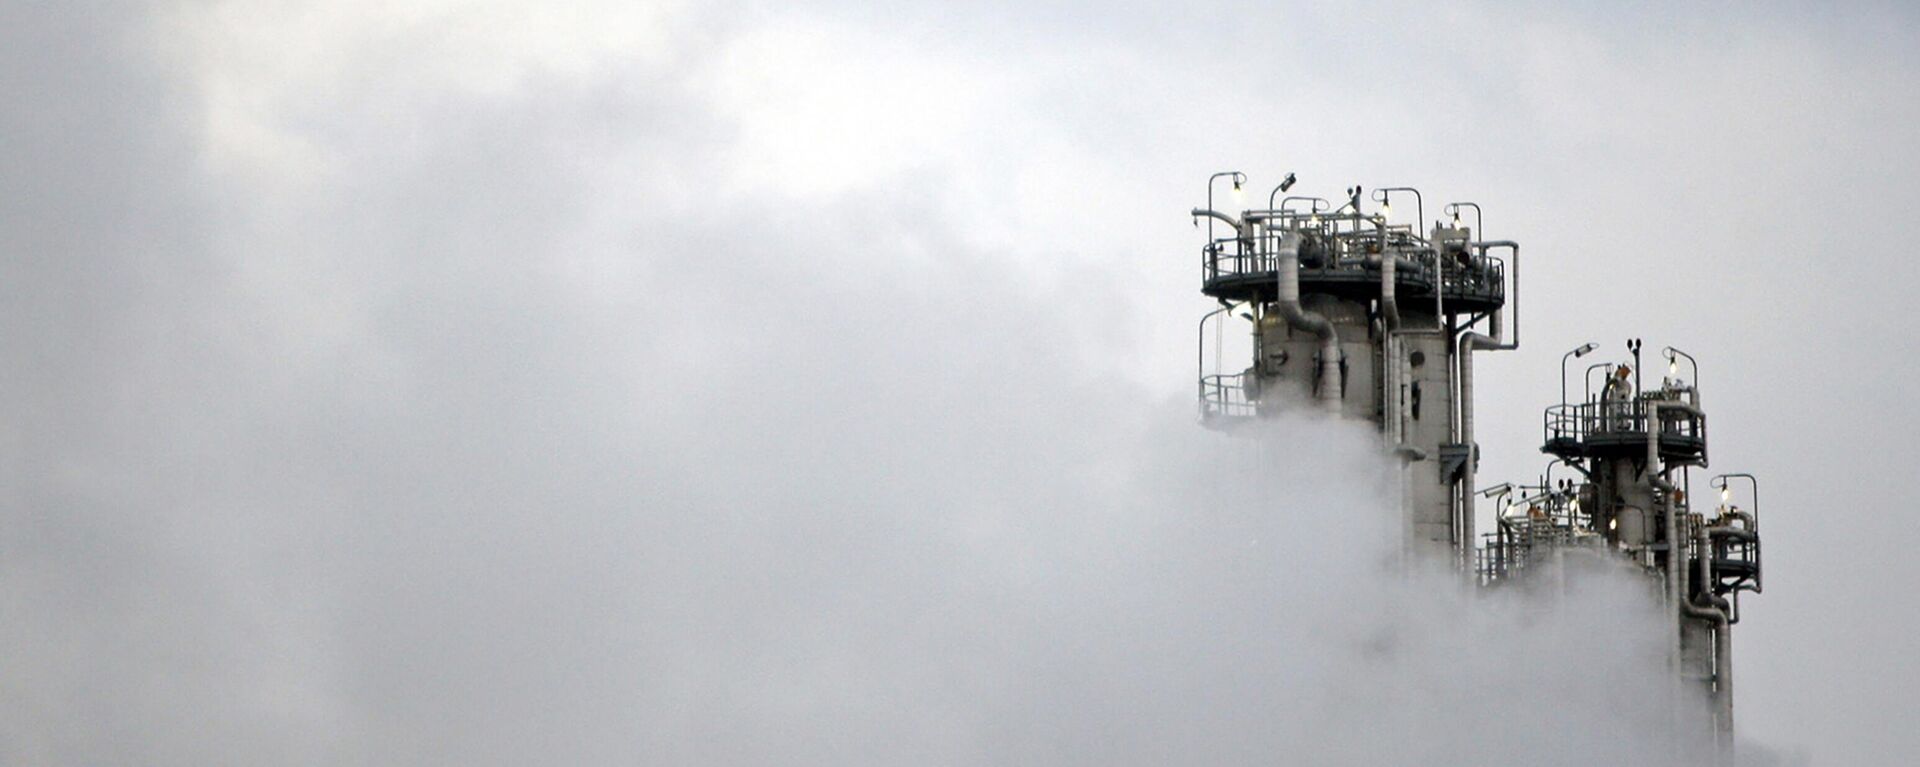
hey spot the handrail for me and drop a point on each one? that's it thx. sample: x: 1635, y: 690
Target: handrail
x: 1464, y: 275
x: 1226, y: 394
x: 1578, y: 421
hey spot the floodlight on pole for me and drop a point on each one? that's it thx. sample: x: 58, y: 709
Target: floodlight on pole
x: 1419, y: 206
x: 1238, y: 179
x: 1453, y: 208
x: 1584, y: 349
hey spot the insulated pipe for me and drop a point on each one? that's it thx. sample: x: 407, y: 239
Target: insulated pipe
x: 1231, y: 221
x: 1470, y: 342
x: 1288, y: 302
x: 1467, y: 343
x: 1388, y: 307
x: 1664, y: 487
x: 1683, y: 607
x: 1715, y: 612
x: 1390, y: 319
x: 1515, y: 247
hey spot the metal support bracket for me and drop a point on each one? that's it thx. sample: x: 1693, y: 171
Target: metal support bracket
x: 1453, y: 461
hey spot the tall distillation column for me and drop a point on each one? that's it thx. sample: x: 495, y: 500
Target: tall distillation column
x: 1359, y: 316
x: 1633, y: 447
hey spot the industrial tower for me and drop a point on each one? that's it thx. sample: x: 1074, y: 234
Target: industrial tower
x: 1371, y: 320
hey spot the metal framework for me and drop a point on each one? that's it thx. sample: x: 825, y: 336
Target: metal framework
x: 1362, y: 317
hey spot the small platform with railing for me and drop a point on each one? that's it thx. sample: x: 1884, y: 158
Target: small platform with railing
x: 1237, y: 270
x: 1605, y: 428
x: 1227, y: 400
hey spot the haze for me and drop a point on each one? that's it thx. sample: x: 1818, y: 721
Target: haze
x: 612, y: 383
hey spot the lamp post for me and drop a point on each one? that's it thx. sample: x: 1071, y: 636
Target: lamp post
x: 1419, y: 207
x: 1238, y: 179
x: 1580, y: 352
x: 1453, y: 209
x: 1720, y: 482
x: 1725, y: 493
x: 1691, y: 362
x: 1285, y: 184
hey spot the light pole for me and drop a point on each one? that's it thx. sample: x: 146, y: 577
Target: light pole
x: 1726, y: 496
x: 1453, y: 209
x: 1386, y: 209
x: 1587, y: 377
x: 1285, y: 184
x: 1580, y: 352
x: 1238, y: 179
x: 1726, y: 493
x: 1673, y: 363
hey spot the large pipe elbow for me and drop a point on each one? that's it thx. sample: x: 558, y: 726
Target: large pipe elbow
x: 1498, y: 326
x: 1287, y: 266
x: 1389, y: 306
x: 1287, y: 300
x: 1231, y: 221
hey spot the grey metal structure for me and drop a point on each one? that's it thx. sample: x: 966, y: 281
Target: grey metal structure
x: 1365, y: 318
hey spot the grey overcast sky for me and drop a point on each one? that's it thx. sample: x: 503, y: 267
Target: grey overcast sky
x: 608, y: 383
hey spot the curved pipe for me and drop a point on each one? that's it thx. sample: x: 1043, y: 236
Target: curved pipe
x: 1287, y: 301
x: 1464, y: 347
x: 1587, y: 377
x: 1315, y: 204
x: 1231, y: 221
x: 1548, y: 479
x: 1715, y: 611
x: 1497, y: 325
x: 1683, y: 606
x: 1389, y: 308
x: 1389, y: 344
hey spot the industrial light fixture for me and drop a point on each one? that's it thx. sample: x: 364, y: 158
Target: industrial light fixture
x: 1238, y: 178
x: 1673, y: 364
x: 1453, y: 209
x: 1583, y: 351
x: 1286, y: 183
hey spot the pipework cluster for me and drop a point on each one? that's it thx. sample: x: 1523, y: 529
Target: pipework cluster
x: 1361, y: 315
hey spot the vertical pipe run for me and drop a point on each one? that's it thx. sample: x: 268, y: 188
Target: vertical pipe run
x: 1684, y: 607
x: 1288, y: 301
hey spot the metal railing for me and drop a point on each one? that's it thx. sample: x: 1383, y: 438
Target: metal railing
x: 1514, y: 549
x: 1465, y: 276
x: 1574, y: 423
x: 1226, y: 396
